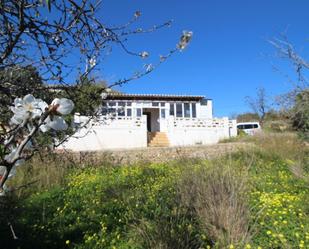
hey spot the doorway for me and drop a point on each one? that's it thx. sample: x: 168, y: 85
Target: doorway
x: 148, y: 118
x: 153, y: 119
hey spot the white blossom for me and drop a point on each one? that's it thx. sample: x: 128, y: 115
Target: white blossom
x: 92, y: 62
x: 32, y: 112
x: 149, y: 67
x: 54, y: 122
x: 63, y: 106
x: 27, y: 108
x: 184, y: 39
x: 144, y: 54
x: 162, y: 58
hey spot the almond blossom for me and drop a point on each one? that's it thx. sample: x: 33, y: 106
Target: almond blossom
x: 61, y: 106
x: 33, y: 114
x: 27, y: 108
x: 184, y: 40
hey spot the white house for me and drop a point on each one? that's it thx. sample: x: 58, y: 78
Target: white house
x: 141, y: 120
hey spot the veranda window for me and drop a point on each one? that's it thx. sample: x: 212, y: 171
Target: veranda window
x: 104, y: 111
x: 187, y: 110
x: 172, y: 111
x: 193, y: 110
x: 162, y: 113
x: 179, y: 110
x: 138, y: 112
x: 129, y: 112
x: 121, y: 112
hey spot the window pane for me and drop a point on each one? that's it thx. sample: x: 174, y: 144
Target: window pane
x: 155, y: 103
x: 172, y: 112
x: 162, y: 113
x: 255, y: 126
x: 162, y: 103
x: 204, y: 102
x: 104, y: 104
x: 112, y: 110
x: 122, y: 104
x: 129, y: 112
x: 112, y: 103
x: 129, y: 103
x: 138, y: 112
x: 121, y: 112
x: 104, y: 111
x: 187, y: 110
x: 178, y: 110
x: 193, y: 110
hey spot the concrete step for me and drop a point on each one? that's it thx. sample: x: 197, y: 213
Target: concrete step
x: 158, y: 145
x: 158, y: 139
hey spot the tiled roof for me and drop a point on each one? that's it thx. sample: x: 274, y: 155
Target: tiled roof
x: 153, y: 96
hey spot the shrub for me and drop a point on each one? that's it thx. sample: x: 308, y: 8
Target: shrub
x: 216, y: 194
x: 300, y: 114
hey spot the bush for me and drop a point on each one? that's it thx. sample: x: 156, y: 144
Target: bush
x: 216, y: 194
x: 300, y: 114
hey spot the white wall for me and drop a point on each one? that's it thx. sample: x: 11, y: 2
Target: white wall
x: 198, y: 136
x: 183, y: 132
x: 205, y: 111
x: 117, y: 134
x: 131, y: 132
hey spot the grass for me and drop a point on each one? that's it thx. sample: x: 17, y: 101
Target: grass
x: 250, y: 199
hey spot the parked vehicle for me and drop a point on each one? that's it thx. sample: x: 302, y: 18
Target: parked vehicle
x: 249, y: 128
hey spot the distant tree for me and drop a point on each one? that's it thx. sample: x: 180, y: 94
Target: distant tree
x: 295, y: 103
x: 85, y: 95
x: 259, y: 104
x: 247, y: 117
x: 19, y: 81
x: 299, y: 114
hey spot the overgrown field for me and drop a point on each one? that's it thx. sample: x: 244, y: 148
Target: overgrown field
x: 257, y: 198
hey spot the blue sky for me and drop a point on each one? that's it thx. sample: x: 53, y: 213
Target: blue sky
x: 229, y: 57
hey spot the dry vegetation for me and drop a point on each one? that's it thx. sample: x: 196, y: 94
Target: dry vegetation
x: 254, y: 198
x: 216, y: 193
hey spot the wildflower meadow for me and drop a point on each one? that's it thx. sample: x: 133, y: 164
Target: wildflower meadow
x: 248, y: 199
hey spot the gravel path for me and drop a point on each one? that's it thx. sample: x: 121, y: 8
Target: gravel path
x: 153, y: 154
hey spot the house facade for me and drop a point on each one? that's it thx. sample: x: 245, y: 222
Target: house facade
x: 142, y: 120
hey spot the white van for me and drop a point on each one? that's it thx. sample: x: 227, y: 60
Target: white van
x: 249, y: 128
